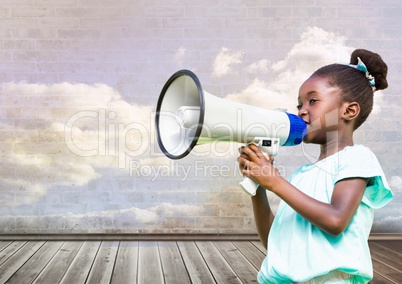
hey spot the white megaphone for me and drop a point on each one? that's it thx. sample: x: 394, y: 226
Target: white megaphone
x: 187, y: 116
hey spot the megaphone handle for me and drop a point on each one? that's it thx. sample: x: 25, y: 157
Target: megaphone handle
x: 268, y: 146
x: 249, y: 186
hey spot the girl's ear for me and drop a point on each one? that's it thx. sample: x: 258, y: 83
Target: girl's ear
x: 351, y: 111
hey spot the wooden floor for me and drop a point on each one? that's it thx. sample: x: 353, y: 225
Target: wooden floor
x: 156, y: 261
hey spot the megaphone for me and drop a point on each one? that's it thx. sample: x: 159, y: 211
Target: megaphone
x: 187, y: 116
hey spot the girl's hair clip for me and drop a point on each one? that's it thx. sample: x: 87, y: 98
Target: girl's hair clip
x: 362, y: 67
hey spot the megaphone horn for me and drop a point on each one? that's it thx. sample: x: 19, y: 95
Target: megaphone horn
x: 187, y: 116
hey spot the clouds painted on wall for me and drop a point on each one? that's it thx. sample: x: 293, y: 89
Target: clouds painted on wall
x: 91, y: 128
x: 277, y: 85
x: 226, y: 61
x: 95, y: 134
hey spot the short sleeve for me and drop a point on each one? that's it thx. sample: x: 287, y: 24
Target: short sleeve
x: 359, y: 161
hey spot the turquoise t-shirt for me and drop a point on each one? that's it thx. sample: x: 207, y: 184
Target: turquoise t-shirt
x: 299, y: 251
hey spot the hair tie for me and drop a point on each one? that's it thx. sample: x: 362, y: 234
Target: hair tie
x: 362, y: 67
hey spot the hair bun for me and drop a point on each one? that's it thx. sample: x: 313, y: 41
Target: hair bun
x: 375, y: 65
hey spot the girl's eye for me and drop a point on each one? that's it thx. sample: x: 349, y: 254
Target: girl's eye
x: 299, y: 107
x: 312, y: 101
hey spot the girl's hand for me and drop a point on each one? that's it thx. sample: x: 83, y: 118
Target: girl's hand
x: 242, y: 166
x: 255, y: 165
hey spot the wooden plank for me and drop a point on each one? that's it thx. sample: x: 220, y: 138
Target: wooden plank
x: 379, y: 279
x: 387, y: 272
x: 390, y: 248
x: 221, y: 270
x: 251, y: 252
x: 395, y: 245
x: 259, y: 245
x: 199, y: 262
x: 387, y: 259
x: 4, y: 244
x: 126, y: 266
x: 242, y: 267
x: 101, y: 271
x: 7, y: 252
x: 54, y: 271
x: 9, y: 267
x: 149, y: 264
x: 30, y: 270
x: 174, y: 270
x: 195, y: 264
x: 387, y: 250
x: 80, y: 267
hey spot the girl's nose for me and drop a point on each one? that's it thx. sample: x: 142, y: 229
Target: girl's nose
x: 302, y: 111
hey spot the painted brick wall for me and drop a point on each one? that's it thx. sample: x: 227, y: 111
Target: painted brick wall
x: 80, y: 80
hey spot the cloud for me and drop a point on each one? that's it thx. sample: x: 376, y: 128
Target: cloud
x: 61, y: 134
x: 316, y: 48
x: 396, y: 183
x: 261, y: 66
x: 388, y: 224
x: 161, y: 216
x: 68, y: 135
x: 224, y: 62
x: 180, y: 55
x: 141, y: 217
x: 71, y: 134
x: 91, y: 126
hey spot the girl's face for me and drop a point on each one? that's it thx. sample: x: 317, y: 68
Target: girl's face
x: 319, y: 105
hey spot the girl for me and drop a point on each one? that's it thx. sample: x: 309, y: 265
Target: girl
x: 320, y: 231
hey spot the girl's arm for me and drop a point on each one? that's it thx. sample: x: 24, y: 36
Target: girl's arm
x: 331, y: 217
x: 263, y: 215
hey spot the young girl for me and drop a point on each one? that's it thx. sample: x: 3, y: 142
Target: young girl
x: 320, y: 231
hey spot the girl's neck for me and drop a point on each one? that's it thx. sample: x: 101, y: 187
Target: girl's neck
x: 332, y: 147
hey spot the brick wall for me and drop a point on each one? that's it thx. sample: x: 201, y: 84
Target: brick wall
x: 81, y: 78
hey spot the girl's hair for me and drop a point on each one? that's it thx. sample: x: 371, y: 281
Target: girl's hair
x: 353, y: 83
